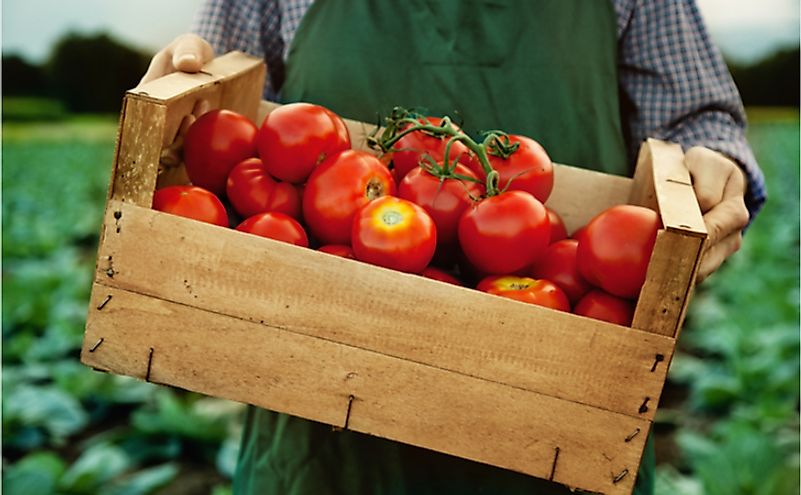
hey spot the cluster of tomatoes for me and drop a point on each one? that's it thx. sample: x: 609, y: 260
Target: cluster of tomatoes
x: 433, y: 202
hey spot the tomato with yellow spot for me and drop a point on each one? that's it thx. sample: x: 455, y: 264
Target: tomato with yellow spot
x: 394, y: 233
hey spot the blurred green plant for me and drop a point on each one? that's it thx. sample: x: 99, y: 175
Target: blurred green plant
x: 66, y: 428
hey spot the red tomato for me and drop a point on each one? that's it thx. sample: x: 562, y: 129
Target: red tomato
x: 276, y: 226
x: 252, y: 190
x: 340, y: 250
x: 441, y: 275
x: 527, y: 169
x: 214, y: 144
x: 411, y: 148
x: 616, y: 247
x: 295, y: 138
x: 504, y: 233
x: 445, y: 200
x: 558, y: 265
x: 337, y: 188
x: 191, y: 202
x: 558, y: 229
x: 604, y: 306
x: 525, y: 289
x: 394, y: 233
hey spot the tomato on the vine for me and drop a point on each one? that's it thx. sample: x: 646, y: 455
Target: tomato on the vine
x: 504, y: 233
x: 444, y: 199
x: 407, y: 153
x: 276, y: 226
x: 252, y: 190
x: 191, y: 202
x: 601, y: 305
x: 295, y: 138
x: 394, y: 233
x: 527, y: 168
x: 214, y: 144
x: 337, y: 188
x: 558, y: 264
x: 533, y: 291
x: 615, y: 248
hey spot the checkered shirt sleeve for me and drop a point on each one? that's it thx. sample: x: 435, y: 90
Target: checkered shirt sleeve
x: 676, y: 86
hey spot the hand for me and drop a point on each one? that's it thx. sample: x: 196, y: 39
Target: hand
x: 187, y: 53
x: 720, y: 187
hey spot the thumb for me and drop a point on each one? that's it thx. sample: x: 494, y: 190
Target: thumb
x: 190, y: 52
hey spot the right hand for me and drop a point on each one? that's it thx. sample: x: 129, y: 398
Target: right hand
x: 187, y: 53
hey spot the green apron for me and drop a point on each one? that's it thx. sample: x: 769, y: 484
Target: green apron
x: 543, y: 68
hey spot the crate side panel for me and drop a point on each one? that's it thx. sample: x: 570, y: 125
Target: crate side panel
x: 404, y: 315
x: 393, y: 398
x: 668, y: 285
x: 578, y: 194
x: 139, y: 150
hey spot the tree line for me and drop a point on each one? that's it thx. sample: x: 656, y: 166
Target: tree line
x: 90, y: 73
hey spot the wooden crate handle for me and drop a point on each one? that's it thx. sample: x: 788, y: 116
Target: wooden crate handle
x: 152, y: 114
x: 662, y: 182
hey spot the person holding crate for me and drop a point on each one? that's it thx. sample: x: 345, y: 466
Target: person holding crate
x: 589, y: 80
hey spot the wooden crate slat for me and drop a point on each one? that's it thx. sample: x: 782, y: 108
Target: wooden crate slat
x: 671, y: 275
x: 394, y: 398
x: 407, y: 316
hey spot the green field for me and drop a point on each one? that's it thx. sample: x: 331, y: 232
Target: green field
x: 731, y: 426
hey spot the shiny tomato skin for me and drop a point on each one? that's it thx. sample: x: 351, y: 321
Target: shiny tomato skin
x: 558, y: 229
x: 444, y: 200
x: 276, y: 226
x: 191, y: 202
x: 528, y: 169
x: 341, y: 250
x: 295, y: 138
x: 615, y: 248
x: 504, y: 233
x: 601, y: 305
x: 558, y: 264
x: 337, y: 188
x: 251, y: 190
x: 394, y: 233
x: 435, y: 273
x: 411, y: 148
x: 214, y: 144
x: 525, y: 289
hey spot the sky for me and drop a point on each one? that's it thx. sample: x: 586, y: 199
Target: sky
x: 745, y: 30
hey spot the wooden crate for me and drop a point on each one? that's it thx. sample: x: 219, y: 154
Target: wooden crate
x: 232, y: 315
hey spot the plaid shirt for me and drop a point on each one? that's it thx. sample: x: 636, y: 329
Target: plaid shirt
x: 675, y: 84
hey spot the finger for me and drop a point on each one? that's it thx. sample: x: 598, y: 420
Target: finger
x: 717, y: 254
x: 160, y: 64
x: 728, y: 217
x: 709, y: 170
x: 190, y: 52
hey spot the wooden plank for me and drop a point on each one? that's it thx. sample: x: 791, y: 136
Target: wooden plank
x: 664, y: 184
x: 407, y: 316
x: 138, y: 151
x: 393, y: 398
x: 665, y: 295
x: 179, y: 84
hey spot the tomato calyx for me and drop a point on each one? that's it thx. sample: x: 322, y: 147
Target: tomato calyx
x: 498, y: 144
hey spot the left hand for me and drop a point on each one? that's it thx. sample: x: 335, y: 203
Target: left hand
x: 720, y: 188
